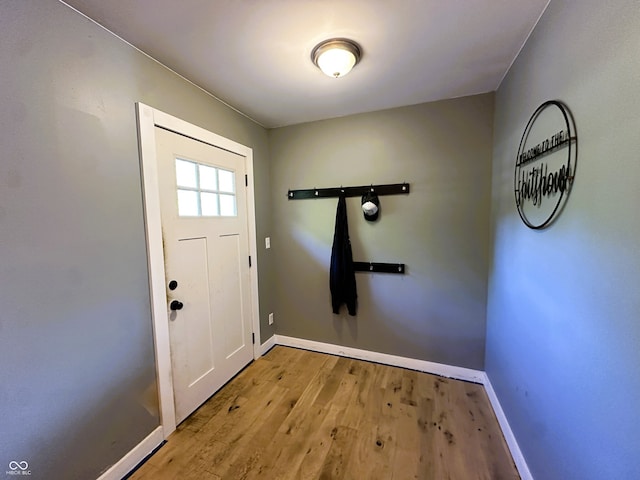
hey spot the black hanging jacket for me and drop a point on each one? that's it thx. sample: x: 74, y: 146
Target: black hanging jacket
x: 342, y: 278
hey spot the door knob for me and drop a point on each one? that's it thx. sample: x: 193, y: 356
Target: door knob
x: 176, y: 305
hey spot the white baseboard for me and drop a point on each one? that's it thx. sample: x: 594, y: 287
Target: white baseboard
x: 134, y: 457
x: 458, y: 373
x: 518, y: 458
x: 268, y: 345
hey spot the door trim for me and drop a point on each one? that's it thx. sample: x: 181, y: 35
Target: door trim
x: 148, y: 118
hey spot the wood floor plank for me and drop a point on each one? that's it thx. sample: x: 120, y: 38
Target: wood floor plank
x: 333, y: 381
x: 294, y: 414
x: 287, y: 442
x: 316, y: 447
x: 316, y: 381
x: 373, y: 452
x: 335, y: 463
x: 235, y: 432
x: 252, y: 461
x: 373, y: 400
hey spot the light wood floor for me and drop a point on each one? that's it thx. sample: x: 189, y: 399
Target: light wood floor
x: 295, y: 414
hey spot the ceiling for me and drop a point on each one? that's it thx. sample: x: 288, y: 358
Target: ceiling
x: 255, y: 54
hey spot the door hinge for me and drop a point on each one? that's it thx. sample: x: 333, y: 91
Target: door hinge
x: 249, y: 261
x: 253, y: 338
x: 246, y: 180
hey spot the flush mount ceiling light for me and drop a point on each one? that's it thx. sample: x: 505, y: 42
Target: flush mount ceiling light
x: 336, y: 57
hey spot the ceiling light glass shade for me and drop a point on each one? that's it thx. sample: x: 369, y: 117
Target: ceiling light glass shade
x: 336, y: 57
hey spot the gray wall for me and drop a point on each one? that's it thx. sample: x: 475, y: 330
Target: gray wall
x: 77, y: 375
x: 563, y: 331
x: 440, y: 231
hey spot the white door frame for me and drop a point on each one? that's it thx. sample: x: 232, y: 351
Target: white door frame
x: 149, y: 118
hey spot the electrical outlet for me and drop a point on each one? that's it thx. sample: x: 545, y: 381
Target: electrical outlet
x: 271, y: 319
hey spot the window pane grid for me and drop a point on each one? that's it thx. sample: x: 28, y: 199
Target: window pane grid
x: 204, y: 191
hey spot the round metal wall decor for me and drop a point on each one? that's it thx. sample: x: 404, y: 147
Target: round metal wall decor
x: 546, y: 164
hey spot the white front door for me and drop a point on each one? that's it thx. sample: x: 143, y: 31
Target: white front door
x: 205, y: 238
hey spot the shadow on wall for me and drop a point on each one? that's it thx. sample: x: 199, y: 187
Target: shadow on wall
x: 417, y: 311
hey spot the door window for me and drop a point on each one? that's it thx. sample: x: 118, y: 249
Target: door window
x: 205, y: 191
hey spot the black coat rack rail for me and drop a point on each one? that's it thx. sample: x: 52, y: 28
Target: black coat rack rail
x: 390, y: 189
x: 378, y: 267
